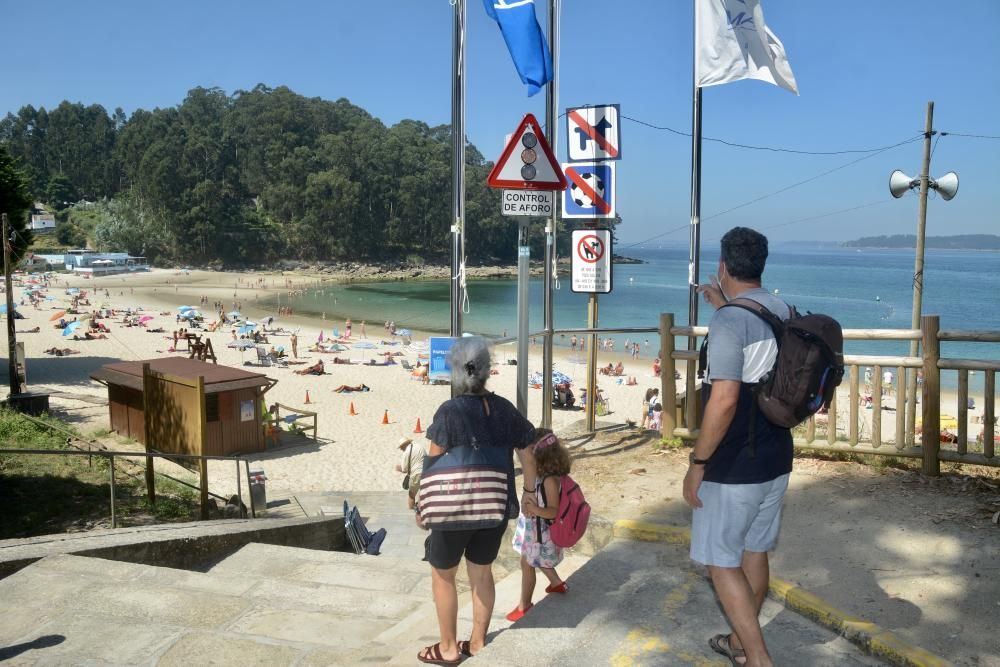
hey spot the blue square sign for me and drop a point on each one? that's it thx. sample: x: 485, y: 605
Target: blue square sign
x: 591, y: 190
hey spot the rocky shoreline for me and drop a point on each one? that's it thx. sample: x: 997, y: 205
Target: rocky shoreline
x: 397, y: 271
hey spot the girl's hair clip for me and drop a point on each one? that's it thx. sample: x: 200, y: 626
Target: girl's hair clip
x: 547, y: 440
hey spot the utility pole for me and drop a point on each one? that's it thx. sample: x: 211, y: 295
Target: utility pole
x: 15, y: 383
x: 918, y: 270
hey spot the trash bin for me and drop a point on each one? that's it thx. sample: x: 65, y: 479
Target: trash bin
x: 258, y: 490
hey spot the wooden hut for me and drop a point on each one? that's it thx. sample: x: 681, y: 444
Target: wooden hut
x: 193, y: 407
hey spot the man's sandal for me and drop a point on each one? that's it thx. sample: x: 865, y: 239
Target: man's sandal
x: 465, y: 648
x: 431, y: 655
x: 720, y: 644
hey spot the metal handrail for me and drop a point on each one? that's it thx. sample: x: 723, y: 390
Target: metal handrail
x: 110, y: 455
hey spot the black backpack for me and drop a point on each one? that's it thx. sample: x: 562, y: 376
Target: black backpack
x: 808, y: 369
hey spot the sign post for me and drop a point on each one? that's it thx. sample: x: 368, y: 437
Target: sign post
x: 529, y: 171
x: 592, y: 273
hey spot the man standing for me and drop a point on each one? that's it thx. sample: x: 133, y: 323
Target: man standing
x: 739, y: 470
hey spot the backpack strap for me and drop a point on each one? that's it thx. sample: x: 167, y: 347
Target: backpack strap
x: 778, y: 329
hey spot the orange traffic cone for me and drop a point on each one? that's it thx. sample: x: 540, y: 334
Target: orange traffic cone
x: 418, y: 429
x: 385, y: 417
x: 352, y: 413
x: 307, y: 397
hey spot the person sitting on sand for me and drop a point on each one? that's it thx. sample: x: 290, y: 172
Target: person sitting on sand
x: 347, y: 389
x: 619, y: 369
x: 315, y: 369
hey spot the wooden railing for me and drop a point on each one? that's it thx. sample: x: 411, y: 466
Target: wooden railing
x: 844, y: 428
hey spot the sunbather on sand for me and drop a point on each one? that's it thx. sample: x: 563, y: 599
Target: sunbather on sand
x: 339, y: 360
x: 315, y: 369
x: 61, y: 352
x: 346, y: 388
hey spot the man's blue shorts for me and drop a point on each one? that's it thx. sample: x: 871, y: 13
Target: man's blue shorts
x: 735, y: 518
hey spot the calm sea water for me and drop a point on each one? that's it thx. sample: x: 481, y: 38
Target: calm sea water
x: 866, y: 289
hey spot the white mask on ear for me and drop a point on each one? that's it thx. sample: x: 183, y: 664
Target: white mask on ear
x: 722, y: 270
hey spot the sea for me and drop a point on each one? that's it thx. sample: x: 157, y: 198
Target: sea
x: 862, y: 288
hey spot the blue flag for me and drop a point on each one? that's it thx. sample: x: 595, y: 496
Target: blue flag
x: 525, y: 41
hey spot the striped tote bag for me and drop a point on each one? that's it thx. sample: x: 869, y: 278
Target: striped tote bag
x: 466, y: 487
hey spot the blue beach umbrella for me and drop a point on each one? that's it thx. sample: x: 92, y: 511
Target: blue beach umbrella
x: 403, y: 332
x: 181, y: 309
x: 363, y: 345
x: 245, y: 329
x: 241, y: 344
x: 190, y: 314
x: 3, y: 308
x: 70, y: 328
x: 557, y: 378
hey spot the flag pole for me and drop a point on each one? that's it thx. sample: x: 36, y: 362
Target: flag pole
x: 552, y: 127
x: 695, y: 232
x: 458, y: 168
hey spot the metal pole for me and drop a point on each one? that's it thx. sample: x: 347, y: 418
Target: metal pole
x: 592, y: 363
x: 918, y: 272
x: 458, y: 166
x: 694, y: 250
x: 523, y: 276
x: 114, y: 518
x: 15, y: 382
x: 548, y: 299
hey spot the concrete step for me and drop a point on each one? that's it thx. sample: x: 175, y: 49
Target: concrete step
x: 348, y: 570
x: 640, y: 603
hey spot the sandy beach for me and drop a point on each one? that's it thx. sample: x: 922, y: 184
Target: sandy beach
x: 353, y: 452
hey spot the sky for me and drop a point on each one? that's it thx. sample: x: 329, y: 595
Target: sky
x: 865, y: 69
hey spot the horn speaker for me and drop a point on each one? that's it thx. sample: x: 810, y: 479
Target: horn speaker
x: 947, y: 185
x: 899, y: 183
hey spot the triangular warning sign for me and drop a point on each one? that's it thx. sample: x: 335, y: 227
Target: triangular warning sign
x: 527, y: 162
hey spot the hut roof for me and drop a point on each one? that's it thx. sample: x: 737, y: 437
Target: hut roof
x: 217, y: 378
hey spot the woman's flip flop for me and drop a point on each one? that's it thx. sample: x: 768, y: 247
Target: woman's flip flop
x: 720, y: 644
x: 431, y: 655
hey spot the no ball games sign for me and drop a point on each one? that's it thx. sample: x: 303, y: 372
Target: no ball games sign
x: 528, y: 202
x: 592, y: 261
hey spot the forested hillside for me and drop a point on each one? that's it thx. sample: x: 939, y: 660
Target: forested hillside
x: 255, y: 176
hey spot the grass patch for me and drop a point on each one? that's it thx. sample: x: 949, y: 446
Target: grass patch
x: 42, y: 494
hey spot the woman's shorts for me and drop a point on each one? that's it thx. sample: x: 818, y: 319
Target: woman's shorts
x: 478, y: 546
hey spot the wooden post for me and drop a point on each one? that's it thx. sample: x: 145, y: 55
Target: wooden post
x: 668, y: 386
x: 852, y: 428
x: 931, y: 397
x: 963, y: 411
x: 901, y: 398
x: 114, y: 517
x: 989, y: 397
x: 202, y: 436
x: 150, y: 473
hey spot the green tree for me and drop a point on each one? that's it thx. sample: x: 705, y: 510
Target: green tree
x: 15, y: 201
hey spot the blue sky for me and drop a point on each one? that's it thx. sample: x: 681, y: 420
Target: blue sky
x: 865, y: 70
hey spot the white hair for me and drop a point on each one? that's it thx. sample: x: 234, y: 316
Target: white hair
x: 469, y: 359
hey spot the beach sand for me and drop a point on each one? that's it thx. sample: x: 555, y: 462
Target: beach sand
x: 352, y: 452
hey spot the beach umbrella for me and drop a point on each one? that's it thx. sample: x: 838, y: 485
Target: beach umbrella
x: 364, y: 345
x: 245, y: 329
x: 145, y: 318
x: 70, y: 328
x: 234, y: 314
x: 3, y: 308
x: 557, y: 378
x: 72, y: 290
x: 242, y: 345
x: 184, y: 308
x: 56, y: 315
x: 249, y: 323
x: 190, y: 314
x: 403, y: 332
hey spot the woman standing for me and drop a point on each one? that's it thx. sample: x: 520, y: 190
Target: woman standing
x: 473, y: 416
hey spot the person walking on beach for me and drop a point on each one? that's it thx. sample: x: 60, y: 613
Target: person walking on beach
x: 475, y: 415
x: 738, y: 472
x: 294, y: 340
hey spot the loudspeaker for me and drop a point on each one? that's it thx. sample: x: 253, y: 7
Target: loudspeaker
x: 947, y: 185
x: 899, y: 183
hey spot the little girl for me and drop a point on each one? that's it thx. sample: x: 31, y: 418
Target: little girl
x: 531, y: 538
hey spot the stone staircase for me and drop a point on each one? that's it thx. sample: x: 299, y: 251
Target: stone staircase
x: 633, y: 603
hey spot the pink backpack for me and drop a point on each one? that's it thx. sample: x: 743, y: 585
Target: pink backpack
x: 571, y: 522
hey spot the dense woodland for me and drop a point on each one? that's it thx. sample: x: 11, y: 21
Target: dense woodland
x: 252, y: 177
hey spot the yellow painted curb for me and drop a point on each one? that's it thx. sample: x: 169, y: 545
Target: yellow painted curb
x: 871, y: 638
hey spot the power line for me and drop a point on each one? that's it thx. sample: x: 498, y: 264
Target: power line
x: 827, y: 215
x: 758, y: 148
x: 971, y: 136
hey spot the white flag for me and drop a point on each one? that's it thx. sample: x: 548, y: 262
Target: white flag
x: 731, y: 42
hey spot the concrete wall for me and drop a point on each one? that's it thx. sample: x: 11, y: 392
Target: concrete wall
x: 186, y: 546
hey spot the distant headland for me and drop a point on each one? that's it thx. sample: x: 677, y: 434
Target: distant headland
x: 956, y: 242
